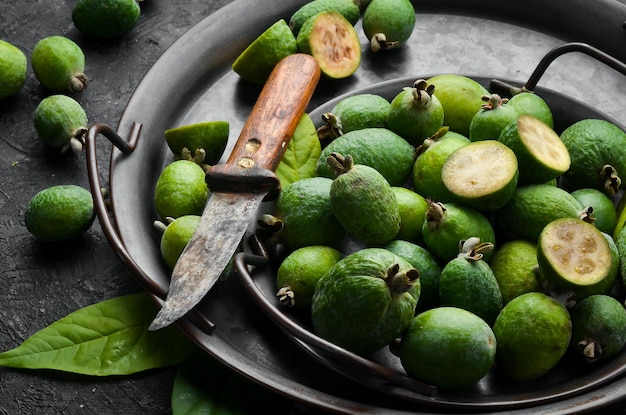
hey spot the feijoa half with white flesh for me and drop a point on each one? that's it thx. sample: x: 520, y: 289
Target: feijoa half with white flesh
x: 541, y: 154
x: 333, y: 42
x: 481, y: 174
x: 575, y: 257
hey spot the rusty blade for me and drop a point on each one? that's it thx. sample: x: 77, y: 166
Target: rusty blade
x: 217, y: 236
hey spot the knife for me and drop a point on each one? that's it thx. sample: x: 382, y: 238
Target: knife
x: 239, y: 186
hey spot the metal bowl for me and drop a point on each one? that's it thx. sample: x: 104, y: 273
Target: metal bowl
x: 193, y: 82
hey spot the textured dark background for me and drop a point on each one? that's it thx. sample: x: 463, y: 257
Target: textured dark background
x: 40, y: 283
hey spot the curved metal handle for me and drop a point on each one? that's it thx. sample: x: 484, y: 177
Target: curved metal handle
x: 545, y: 62
x: 100, y: 205
x: 349, y: 361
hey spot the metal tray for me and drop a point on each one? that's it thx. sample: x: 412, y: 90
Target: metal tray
x: 193, y: 82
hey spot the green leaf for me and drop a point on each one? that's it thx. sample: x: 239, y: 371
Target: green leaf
x: 204, y: 386
x: 301, y: 155
x: 103, y: 339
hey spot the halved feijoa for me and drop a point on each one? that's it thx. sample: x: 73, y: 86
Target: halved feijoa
x: 333, y: 42
x: 574, y: 256
x: 257, y: 61
x: 541, y: 154
x: 347, y: 8
x: 481, y: 174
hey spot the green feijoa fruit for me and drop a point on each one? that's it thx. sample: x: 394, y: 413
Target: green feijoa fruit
x: 447, y: 224
x: 347, y: 8
x: 357, y: 112
x: 461, y: 98
x: 431, y: 156
x: 365, y: 300
x: 13, y: 65
x: 448, y: 347
x: 620, y: 244
x: 412, y: 214
x: 592, y: 145
x: 482, y: 175
x: 176, y: 236
x: 299, y: 272
x: 61, y: 122
x: 533, y: 332
x: 415, y: 113
x: 468, y: 282
x: 259, y: 58
x: 208, y: 137
x: 304, y: 210
x: 363, y: 201
x: 541, y: 154
x: 529, y: 103
x: 333, y: 42
x: 105, y: 19
x: 59, y: 64
x: 60, y: 213
x: 493, y: 116
x: 388, y: 24
x: 514, y: 264
x: 533, y: 206
x: 180, y: 190
x: 379, y: 148
x: 598, y: 328
x: 574, y: 256
x: 604, y: 213
x: 427, y: 265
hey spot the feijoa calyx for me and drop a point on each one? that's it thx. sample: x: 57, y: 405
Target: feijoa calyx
x: 59, y: 64
x: 363, y: 201
x: 365, y: 300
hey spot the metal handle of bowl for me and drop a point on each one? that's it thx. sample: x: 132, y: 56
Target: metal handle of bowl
x: 549, y: 57
x: 346, y: 360
x: 100, y: 205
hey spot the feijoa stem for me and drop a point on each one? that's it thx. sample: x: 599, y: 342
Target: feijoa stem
x: 400, y: 281
x: 340, y: 164
x: 78, y: 82
x: 473, y: 250
x: 493, y: 101
x: 434, y: 213
x: 613, y: 182
x: 286, y: 297
x: 379, y: 42
x: 591, y: 349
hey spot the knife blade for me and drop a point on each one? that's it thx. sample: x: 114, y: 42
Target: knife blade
x: 239, y: 186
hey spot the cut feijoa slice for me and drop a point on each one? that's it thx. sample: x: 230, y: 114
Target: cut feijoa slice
x: 481, y: 174
x: 333, y: 42
x: 541, y: 154
x: 574, y: 256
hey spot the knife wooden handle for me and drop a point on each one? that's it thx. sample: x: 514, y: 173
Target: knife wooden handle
x: 269, y: 128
